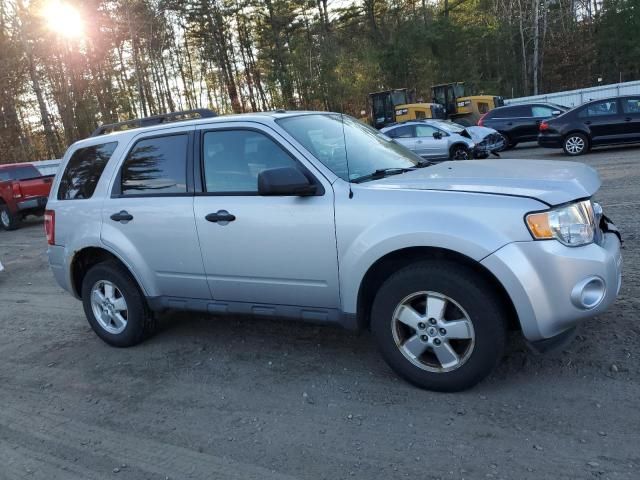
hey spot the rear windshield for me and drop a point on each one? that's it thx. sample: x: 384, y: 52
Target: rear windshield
x: 83, y: 171
x: 19, y: 173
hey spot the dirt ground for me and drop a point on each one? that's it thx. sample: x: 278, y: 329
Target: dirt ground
x: 216, y: 398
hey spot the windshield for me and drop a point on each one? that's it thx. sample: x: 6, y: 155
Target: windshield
x: 450, y: 127
x: 368, y: 150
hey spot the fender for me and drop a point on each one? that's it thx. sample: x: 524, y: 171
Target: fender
x: 474, y: 230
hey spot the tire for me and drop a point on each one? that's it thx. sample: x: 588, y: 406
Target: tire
x: 466, y: 296
x: 575, y: 144
x: 459, y: 152
x: 138, y: 320
x: 508, y: 143
x: 9, y: 221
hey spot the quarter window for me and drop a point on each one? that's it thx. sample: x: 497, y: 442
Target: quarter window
x: 598, y: 109
x: 83, y: 171
x: 156, y: 166
x: 233, y: 159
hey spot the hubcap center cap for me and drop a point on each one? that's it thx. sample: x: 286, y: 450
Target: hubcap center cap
x: 432, y: 331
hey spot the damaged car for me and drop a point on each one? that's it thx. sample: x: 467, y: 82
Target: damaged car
x: 445, y: 140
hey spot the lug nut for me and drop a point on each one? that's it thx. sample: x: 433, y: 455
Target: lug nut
x: 432, y: 321
x: 421, y: 325
x: 424, y: 338
x: 443, y: 331
x: 437, y: 341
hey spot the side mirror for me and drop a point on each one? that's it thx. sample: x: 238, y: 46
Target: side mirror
x: 437, y: 135
x: 284, y: 181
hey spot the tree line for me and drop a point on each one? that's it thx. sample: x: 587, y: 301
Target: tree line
x: 143, y: 57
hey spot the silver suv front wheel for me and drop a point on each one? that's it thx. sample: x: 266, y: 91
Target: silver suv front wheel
x: 433, y: 331
x: 439, y: 324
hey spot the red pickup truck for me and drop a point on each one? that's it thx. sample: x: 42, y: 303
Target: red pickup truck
x: 23, y: 191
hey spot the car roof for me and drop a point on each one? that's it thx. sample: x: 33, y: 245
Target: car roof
x: 416, y: 122
x: 261, y: 117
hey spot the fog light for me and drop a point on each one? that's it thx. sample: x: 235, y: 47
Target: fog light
x: 588, y: 293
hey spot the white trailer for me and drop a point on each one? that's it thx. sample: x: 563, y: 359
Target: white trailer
x: 573, y: 98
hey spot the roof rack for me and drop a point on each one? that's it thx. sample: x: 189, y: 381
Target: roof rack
x: 154, y: 120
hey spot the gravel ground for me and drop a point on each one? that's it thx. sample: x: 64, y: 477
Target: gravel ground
x: 250, y: 399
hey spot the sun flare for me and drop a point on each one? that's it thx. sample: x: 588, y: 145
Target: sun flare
x: 64, y: 19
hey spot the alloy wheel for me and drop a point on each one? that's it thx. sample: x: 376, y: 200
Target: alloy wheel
x: 4, y: 218
x: 109, y: 307
x: 575, y: 145
x: 433, y: 331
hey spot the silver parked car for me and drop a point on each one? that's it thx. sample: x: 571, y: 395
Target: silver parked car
x: 443, y: 139
x: 317, y: 217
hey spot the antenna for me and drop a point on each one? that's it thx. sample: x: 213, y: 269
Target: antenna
x: 346, y: 153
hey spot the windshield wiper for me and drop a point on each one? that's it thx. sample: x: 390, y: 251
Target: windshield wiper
x: 382, y: 173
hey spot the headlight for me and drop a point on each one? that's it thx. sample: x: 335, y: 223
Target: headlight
x: 572, y: 225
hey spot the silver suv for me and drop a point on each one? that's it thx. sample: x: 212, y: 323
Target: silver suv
x: 317, y: 217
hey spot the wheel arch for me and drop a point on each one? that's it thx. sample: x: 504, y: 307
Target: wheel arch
x: 390, y: 263
x: 581, y: 132
x: 88, y: 257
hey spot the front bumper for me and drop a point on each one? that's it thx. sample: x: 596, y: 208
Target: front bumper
x: 492, y: 144
x: 544, y: 280
x: 34, y: 203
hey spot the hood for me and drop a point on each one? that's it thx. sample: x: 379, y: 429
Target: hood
x: 478, y: 134
x: 553, y: 182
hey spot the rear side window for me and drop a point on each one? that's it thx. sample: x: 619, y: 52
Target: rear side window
x: 517, y: 111
x: 405, y: 131
x: 598, y: 109
x: 83, y: 171
x: 156, y: 166
x: 540, y: 111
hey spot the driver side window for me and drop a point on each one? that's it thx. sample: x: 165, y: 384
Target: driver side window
x: 425, y: 131
x: 233, y: 159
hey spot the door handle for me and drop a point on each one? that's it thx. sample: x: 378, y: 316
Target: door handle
x: 221, y: 216
x: 418, y: 141
x: 122, y: 216
x: 627, y: 119
x: 588, y: 122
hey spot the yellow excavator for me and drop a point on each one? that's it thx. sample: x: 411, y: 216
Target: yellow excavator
x: 461, y: 108
x: 391, y: 106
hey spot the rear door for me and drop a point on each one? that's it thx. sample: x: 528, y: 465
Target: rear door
x: 404, y: 135
x: 604, y: 120
x: 631, y: 112
x: 148, y: 215
x: 523, y: 126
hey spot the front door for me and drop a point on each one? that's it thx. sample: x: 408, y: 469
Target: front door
x: 273, y: 250
x: 148, y: 219
x: 427, y: 145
